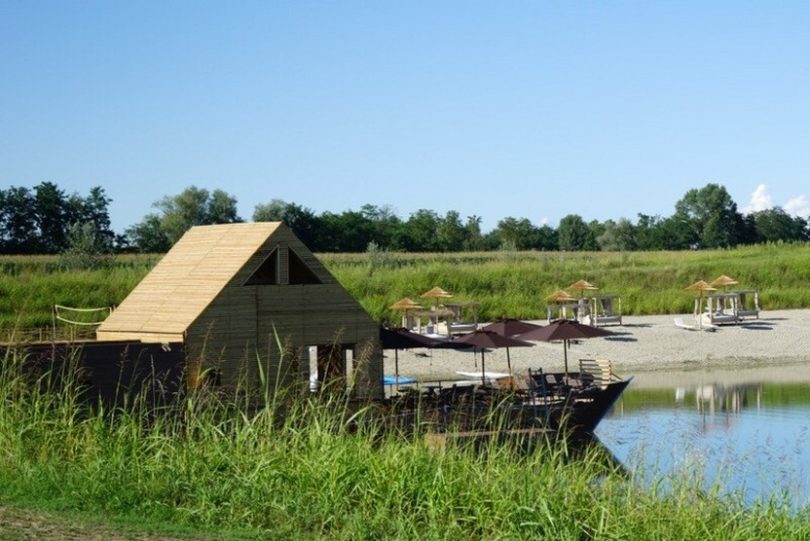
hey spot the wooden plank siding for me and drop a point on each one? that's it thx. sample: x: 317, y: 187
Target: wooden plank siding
x: 198, y: 292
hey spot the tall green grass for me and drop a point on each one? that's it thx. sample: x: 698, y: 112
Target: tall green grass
x: 516, y: 283
x: 504, y: 283
x: 304, y: 472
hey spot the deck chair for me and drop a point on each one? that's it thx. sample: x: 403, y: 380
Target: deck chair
x: 706, y: 326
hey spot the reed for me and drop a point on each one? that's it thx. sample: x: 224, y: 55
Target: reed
x: 504, y: 283
x: 302, y: 470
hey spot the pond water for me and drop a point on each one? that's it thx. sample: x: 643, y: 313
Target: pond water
x: 746, y: 430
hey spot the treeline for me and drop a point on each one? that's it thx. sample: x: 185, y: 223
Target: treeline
x: 47, y: 220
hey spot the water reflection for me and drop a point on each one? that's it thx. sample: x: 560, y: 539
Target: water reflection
x: 749, y: 437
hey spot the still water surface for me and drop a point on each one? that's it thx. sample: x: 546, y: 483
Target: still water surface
x: 748, y: 433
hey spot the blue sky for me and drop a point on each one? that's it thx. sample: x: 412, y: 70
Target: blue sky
x: 523, y: 109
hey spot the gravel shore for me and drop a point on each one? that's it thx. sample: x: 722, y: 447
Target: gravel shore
x: 642, y: 346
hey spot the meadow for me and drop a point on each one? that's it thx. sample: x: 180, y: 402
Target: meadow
x: 302, y: 472
x: 514, y: 284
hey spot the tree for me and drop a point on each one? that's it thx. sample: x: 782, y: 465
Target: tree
x: 270, y: 212
x: 473, y: 240
x: 50, y: 208
x: 547, y: 238
x: 18, y: 221
x: 775, y: 224
x: 349, y: 231
x: 148, y: 236
x: 177, y: 214
x: 88, y: 247
x: 575, y: 235
x: 418, y: 234
x: 384, y: 222
x: 39, y: 221
x: 618, y: 236
x: 515, y: 233
x: 451, y: 233
x: 710, y: 217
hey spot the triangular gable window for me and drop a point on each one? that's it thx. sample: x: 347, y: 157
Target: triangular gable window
x: 300, y: 273
x: 267, y: 273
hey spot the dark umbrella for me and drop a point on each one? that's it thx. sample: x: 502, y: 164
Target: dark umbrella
x: 487, y: 339
x: 565, y: 330
x: 510, y: 327
x: 401, y: 338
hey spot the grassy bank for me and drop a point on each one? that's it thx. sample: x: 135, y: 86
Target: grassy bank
x: 211, y: 469
x: 504, y: 283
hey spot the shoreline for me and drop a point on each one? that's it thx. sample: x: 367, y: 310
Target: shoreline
x: 641, y: 347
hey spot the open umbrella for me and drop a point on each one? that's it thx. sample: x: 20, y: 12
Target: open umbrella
x: 510, y: 327
x: 700, y: 286
x: 723, y: 280
x: 436, y: 293
x: 397, y: 339
x: 406, y: 305
x: 581, y: 286
x: 487, y: 339
x: 565, y: 330
x: 560, y: 296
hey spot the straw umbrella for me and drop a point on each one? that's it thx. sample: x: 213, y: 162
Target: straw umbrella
x: 700, y: 286
x: 405, y: 304
x: 560, y: 296
x: 436, y: 293
x: 581, y: 286
x: 723, y: 281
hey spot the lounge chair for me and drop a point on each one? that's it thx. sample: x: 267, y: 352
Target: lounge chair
x: 681, y: 325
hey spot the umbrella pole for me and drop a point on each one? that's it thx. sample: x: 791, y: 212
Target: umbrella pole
x: 565, y: 356
x: 483, y: 369
x: 396, y: 368
x: 508, y: 363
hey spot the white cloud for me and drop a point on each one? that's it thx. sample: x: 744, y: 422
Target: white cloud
x: 760, y: 200
x: 798, y: 206
x: 544, y: 220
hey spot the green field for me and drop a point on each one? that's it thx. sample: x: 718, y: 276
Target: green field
x: 504, y: 283
x: 301, y: 473
x: 214, y: 471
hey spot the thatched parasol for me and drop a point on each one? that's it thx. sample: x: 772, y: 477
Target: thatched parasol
x: 700, y: 286
x: 405, y: 304
x: 581, y: 286
x: 723, y: 280
x: 436, y: 293
x: 560, y: 296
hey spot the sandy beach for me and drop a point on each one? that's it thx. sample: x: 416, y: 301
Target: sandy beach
x: 650, y: 348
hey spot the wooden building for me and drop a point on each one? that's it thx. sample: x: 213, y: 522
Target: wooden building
x: 251, y: 304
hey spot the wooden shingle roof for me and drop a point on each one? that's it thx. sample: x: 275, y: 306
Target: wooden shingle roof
x: 188, y: 278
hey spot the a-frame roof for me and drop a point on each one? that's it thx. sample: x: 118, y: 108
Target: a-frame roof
x: 188, y: 278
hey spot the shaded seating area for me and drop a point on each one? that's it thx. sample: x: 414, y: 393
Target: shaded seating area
x: 747, y: 304
x: 441, y: 319
x: 589, y: 309
x: 721, y: 309
x: 459, y: 324
x: 604, y: 310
